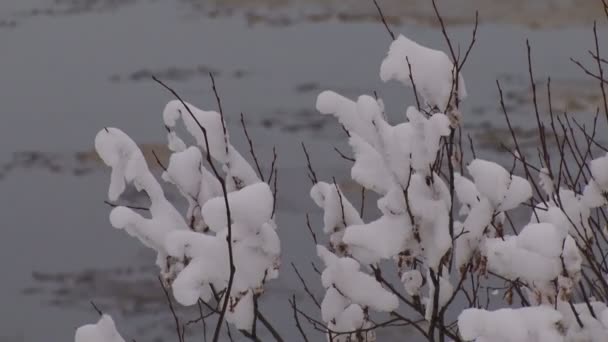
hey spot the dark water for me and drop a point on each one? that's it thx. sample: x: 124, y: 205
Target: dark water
x: 69, y: 68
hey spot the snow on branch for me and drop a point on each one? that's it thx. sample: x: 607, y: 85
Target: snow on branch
x: 432, y: 71
x: 193, y: 256
x: 543, y: 262
x: 103, y: 331
x: 444, y: 234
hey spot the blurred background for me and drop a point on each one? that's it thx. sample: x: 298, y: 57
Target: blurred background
x: 68, y: 68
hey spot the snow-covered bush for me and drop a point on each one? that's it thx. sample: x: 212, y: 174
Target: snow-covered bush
x: 440, y: 228
x: 226, y: 243
x: 444, y: 222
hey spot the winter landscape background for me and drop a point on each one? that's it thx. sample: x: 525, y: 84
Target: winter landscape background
x: 69, y: 68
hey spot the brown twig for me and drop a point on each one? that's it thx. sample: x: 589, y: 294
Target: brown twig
x: 96, y: 308
x: 272, y: 165
x: 297, y: 319
x: 158, y: 161
x: 251, y: 149
x: 345, y: 157
x: 341, y: 202
x: 600, y: 68
x: 310, y: 294
x: 312, y: 175
x: 409, y: 66
x: 312, y: 233
x: 275, y: 334
x: 388, y: 29
x: 274, y: 192
x: 173, y: 313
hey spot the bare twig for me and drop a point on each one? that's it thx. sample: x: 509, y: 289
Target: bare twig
x: 345, y: 157
x: 312, y: 175
x: 312, y: 233
x: 96, y: 308
x: 272, y: 165
x: 173, y: 313
x: 388, y: 29
x: 297, y: 319
x: 600, y: 68
x: 274, y: 192
x: 472, y: 43
x: 341, y: 201
x: 409, y: 66
x: 158, y: 161
x: 362, y: 201
x: 445, y: 33
x: 251, y: 149
x: 275, y: 334
x: 310, y: 294
x: 219, y: 105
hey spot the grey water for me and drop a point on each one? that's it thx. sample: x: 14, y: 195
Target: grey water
x: 70, y: 68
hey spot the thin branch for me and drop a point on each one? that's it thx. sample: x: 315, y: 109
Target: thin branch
x: 251, y: 149
x: 409, y: 66
x: 388, y: 29
x: 219, y: 105
x: 173, y: 313
x: 312, y: 233
x: 362, y: 201
x: 158, y: 161
x: 472, y: 146
x: 345, y: 157
x: 587, y: 71
x: 445, y: 33
x: 229, y: 333
x: 274, y: 192
x: 254, y: 327
x: 96, y: 308
x: 341, y: 201
x: 312, y: 175
x: 272, y: 165
x: 310, y: 294
x: 473, y: 40
x: 250, y: 336
x: 275, y: 334
x: 297, y: 319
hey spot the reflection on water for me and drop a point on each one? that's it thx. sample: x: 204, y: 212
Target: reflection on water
x: 498, y: 138
x: 56, y: 8
x: 129, y: 292
x: 176, y: 73
x: 134, y: 291
x: 533, y: 14
x: 574, y: 95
